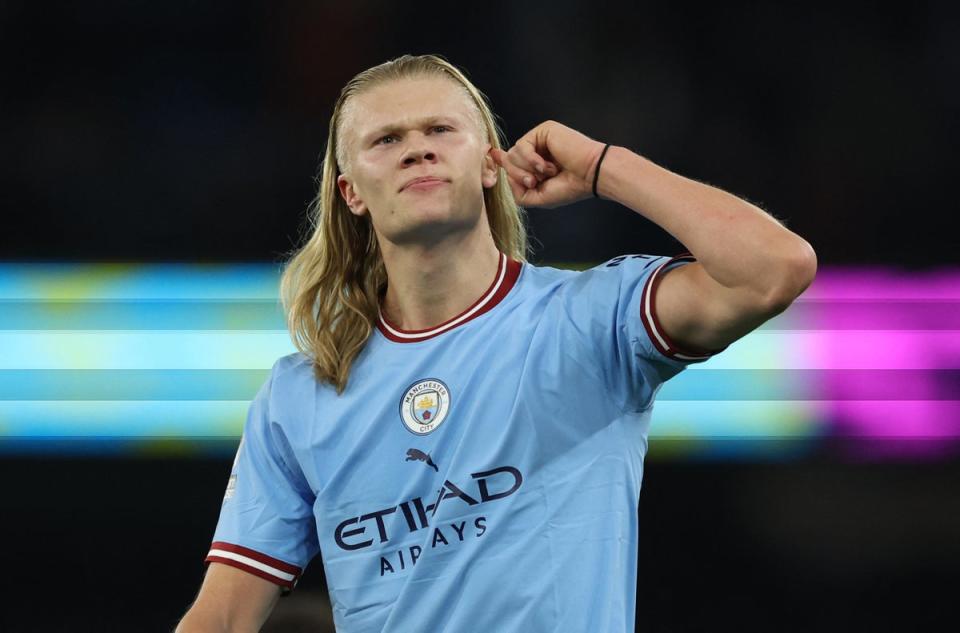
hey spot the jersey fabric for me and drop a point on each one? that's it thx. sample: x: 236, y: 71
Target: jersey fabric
x: 482, y: 475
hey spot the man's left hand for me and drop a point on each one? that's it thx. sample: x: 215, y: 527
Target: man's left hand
x: 550, y: 166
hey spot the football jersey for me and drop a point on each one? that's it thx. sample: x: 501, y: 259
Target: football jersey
x: 481, y: 475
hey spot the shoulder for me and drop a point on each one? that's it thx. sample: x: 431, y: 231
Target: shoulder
x: 290, y: 375
x: 587, y: 289
x: 615, y: 271
x: 535, y: 278
x: 291, y: 365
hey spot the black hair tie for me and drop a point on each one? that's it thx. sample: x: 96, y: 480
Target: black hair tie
x: 596, y: 173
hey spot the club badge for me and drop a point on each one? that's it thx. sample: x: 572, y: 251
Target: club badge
x: 424, y: 406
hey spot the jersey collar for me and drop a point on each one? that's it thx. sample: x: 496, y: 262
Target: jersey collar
x: 508, y: 271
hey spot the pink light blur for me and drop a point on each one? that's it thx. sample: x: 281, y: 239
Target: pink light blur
x: 920, y: 316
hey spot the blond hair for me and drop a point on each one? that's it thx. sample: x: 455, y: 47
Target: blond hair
x: 331, y: 286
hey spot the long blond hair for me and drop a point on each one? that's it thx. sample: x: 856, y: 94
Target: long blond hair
x: 331, y: 286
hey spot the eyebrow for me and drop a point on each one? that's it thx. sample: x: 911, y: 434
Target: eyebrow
x: 418, y: 123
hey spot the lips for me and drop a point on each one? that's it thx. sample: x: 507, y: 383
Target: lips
x: 422, y: 180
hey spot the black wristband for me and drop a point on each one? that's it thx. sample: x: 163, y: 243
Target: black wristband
x: 596, y: 173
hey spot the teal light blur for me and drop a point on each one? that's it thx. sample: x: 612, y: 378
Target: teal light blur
x: 119, y: 358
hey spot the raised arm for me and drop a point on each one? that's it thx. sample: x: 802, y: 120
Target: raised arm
x: 230, y: 601
x: 749, y: 266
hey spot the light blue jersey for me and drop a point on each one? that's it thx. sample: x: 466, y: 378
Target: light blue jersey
x: 482, y: 475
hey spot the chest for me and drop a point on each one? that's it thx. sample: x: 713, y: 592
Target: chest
x: 445, y: 432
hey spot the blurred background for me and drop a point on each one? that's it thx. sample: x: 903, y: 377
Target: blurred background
x: 156, y: 162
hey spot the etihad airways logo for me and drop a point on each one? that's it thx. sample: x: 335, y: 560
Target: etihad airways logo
x: 490, y: 485
x: 362, y: 531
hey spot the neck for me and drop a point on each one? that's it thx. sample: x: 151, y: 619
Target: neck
x: 428, y: 284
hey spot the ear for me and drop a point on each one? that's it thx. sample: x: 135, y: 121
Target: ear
x: 489, y: 170
x: 350, y: 195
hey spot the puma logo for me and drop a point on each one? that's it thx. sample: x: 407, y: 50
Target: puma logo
x: 417, y: 454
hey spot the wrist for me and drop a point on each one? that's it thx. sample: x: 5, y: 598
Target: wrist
x: 594, y: 168
x: 611, y: 182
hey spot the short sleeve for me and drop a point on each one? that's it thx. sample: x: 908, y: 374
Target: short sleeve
x: 611, y: 308
x: 266, y: 524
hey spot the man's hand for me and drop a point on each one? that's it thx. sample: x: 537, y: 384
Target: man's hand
x: 550, y: 166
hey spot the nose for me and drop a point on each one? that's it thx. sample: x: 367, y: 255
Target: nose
x: 418, y: 150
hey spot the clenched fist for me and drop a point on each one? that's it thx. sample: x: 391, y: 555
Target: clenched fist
x: 550, y: 166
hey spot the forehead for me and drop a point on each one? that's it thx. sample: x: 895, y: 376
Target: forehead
x: 403, y: 102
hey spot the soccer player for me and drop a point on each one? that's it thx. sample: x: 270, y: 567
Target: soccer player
x: 462, y: 433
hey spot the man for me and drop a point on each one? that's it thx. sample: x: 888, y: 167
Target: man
x: 463, y: 433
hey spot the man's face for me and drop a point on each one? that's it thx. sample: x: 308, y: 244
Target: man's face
x: 409, y: 129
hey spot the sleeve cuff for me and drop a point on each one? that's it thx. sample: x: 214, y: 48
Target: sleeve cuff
x: 651, y: 323
x: 253, y: 562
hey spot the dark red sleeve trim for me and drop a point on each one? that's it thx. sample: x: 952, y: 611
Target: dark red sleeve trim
x: 251, y: 570
x: 257, y: 556
x: 648, y: 316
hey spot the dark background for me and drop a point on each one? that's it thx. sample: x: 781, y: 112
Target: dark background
x: 191, y: 131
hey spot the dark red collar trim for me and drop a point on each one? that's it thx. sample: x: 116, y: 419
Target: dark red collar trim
x: 507, y: 273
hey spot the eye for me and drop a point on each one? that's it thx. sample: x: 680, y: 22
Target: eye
x: 382, y: 139
x: 442, y: 128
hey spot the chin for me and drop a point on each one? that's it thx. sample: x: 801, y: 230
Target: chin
x: 429, y: 222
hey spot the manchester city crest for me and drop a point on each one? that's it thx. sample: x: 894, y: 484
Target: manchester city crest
x: 424, y: 406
